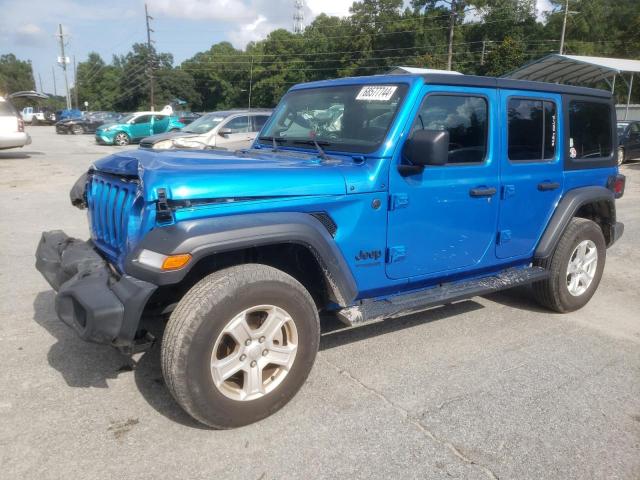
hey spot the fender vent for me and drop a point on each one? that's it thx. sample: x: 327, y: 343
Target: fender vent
x: 327, y: 222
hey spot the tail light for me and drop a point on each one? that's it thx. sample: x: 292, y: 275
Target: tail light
x: 182, y: 119
x: 616, y: 184
x: 20, y: 125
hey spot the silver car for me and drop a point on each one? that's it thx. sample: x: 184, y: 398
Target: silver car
x: 12, y: 134
x: 231, y: 130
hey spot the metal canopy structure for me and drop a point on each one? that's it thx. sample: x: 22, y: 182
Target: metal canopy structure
x: 580, y: 70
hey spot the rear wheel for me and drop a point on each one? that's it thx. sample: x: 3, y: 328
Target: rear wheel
x: 620, y: 156
x: 121, y: 139
x: 77, y: 129
x: 240, y: 344
x: 575, y: 267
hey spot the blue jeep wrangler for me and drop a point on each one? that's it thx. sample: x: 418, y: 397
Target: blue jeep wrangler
x: 369, y: 198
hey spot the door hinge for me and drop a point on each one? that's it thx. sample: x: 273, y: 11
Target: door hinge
x: 397, y: 253
x: 504, y: 236
x: 508, y: 191
x: 163, y: 211
x: 398, y: 200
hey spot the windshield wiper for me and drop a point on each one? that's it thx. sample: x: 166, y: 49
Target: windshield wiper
x: 316, y: 144
x: 274, y: 141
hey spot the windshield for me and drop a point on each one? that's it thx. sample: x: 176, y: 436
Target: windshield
x: 621, y: 128
x: 204, y: 124
x: 350, y: 118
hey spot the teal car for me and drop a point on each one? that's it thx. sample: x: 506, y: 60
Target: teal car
x: 137, y: 126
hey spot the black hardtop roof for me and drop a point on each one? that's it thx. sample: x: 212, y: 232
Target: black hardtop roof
x: 508, y: 83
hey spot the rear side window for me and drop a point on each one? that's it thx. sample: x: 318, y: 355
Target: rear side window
x: 7, y: 109
x: 532, y: 130
x: 259, y: 121
x: 465, y: 117
x: 589, y: 130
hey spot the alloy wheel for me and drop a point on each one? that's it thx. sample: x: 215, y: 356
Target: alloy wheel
x: 254, y: 352
x: 581, y: 270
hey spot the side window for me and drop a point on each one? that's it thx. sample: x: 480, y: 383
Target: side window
x: 532, y: 130
x: 160, y: 118
x: 589, y: 130
x: 466, y: 120
x: 238, y: 124
x: 142, y: 119
x: 259, y: 121
x: 635, y: 129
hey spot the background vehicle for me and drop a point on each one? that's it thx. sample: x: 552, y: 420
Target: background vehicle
x: 628, y: 141
x: 38, y: 116
x: 186, y: 117
x: 12, y: 132
x: 233, y: 129
x: 89, y: 123
x: 136, y: 126
x: 432, y: 189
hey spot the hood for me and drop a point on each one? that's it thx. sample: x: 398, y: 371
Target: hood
x: 104, y: 126
x: 212, y: 174
x: 192, y: 175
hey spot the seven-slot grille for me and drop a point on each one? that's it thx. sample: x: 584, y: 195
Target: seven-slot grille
x: 110, y: 200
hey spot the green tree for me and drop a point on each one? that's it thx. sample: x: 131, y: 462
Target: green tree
x: 15, y: 75
x: 507, y: 56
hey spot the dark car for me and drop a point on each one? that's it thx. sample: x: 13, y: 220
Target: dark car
x: 628, y: 141
x: 88, y: 123
x: 186, y: 117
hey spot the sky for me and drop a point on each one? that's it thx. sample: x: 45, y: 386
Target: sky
x: 28, y: 28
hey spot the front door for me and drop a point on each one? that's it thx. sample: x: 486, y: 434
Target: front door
x: 160, y: 124
x: 444, y: 219
x: 141, y: 127
x: 239, y: 131
x: 532, y: 172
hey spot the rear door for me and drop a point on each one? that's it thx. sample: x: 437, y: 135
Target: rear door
x: 443, y: 219
x: 531, y: 169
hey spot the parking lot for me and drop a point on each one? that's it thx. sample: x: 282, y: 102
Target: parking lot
x: 494, y: 387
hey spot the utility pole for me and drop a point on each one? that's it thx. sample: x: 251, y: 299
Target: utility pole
x: 452, y: 23
x: 151, y: 57
x: 250, y: 82
x: 75, y: 82
x: 53, y: 74
x: 484, y: 49
x: 63, y: 62
x: 564, y: 24
x: 40, y: 80
x: 298, y: 16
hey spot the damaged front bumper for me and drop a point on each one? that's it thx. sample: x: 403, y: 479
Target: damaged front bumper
x: 101, y: 305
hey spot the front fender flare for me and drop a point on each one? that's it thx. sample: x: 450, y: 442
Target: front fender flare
x: 209, y: 236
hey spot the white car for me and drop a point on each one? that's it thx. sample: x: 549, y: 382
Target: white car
x: 12, y: 134
x: 231, y: 130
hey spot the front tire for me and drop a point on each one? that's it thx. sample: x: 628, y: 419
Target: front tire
x: 77, y: 130
x: 121, y: 139
x: 620, y: 156
x: 240, y: 344
x: 575, y: 267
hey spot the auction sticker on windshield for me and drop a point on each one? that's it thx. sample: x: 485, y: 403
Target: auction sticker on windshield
x: 380, y: 93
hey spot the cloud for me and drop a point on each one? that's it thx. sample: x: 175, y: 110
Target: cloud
x: 29, y: 35
x: 204, y: 9
x: 542, y: 8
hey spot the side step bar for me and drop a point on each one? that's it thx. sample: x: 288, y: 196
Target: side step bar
x: 406, y: 304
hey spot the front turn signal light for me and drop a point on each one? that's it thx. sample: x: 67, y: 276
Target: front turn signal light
x: 175, y: 262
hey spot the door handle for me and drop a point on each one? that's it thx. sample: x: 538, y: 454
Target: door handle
x: 482, y: 192
x: 544, y: 186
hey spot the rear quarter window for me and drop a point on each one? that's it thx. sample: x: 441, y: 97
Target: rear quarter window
x: 6, y: 109
x: 590, y: 131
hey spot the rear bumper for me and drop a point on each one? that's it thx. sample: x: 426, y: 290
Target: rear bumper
x: 14, y: 140
x: 100, y: 305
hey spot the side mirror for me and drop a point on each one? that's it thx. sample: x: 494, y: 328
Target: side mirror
x: 223, y: 132
x: 425, y: 147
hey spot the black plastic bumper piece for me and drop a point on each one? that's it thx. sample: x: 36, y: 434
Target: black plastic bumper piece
x: 100, y: 305
x: 617, y: 229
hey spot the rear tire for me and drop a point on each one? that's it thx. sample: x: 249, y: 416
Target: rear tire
x: 572, y: 281
x: 77, y: 129
x: 214, y: 314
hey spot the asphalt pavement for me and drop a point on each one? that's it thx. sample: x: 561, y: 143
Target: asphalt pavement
x: 494, y: 387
